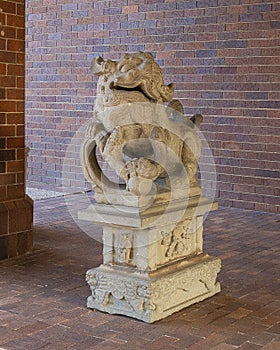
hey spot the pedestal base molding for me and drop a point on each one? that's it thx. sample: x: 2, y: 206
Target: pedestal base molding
x: 151, y: 296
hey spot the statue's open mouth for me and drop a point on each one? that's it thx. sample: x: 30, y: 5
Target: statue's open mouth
x: 133, y: 88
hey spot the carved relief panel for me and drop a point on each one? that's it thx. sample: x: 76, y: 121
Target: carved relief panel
x: 123, y: 248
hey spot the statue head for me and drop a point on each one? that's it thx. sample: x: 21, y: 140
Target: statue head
x: 136, y: 77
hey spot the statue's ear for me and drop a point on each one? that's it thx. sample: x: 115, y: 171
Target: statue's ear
x: 148, y: 54
x: 176, y: 105
x: 197, y: 119
x: 96, y: 65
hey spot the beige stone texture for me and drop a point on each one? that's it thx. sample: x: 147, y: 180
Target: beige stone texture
x: 154, y: 295
x: 153, y: 259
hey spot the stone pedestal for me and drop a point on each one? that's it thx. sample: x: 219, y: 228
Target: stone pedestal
x: 153, y: 260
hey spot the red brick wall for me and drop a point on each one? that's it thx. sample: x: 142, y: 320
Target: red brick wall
x: 15, y: 209
x: 221, y: 54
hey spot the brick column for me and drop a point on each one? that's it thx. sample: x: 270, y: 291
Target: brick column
x: 16, y: 209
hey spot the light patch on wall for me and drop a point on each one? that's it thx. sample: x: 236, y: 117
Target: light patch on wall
x: 2, y: 33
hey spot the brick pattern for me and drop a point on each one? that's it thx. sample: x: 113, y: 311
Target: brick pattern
x: 11, y: 99
x: 222, y: 56
x: 15, y: 210
x: 43, y: 296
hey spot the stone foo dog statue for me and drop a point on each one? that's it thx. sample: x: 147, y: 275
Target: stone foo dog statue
x: 153, y: 259
x: 139, y: 129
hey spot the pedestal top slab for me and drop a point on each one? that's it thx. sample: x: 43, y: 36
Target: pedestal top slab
x: 141, y: 217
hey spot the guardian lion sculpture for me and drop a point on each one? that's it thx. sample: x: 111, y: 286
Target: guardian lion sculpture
x: 139, y: 129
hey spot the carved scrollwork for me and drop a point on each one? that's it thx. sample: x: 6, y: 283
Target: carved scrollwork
x: 108, y: 290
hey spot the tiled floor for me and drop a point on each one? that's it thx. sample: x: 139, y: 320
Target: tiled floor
x: 42, y: 304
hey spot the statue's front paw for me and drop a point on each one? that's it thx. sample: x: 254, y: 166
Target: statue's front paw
x: 139, y: 175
